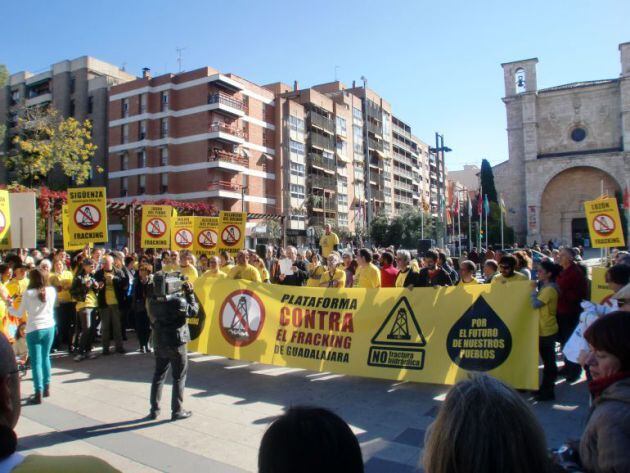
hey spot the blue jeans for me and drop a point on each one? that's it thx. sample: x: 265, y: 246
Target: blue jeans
x: 39, y: 343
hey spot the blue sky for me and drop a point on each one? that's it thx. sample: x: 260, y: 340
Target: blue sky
x: 438, y: 63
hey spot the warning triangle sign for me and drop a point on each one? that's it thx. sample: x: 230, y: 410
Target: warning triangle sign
x: 400, y: 328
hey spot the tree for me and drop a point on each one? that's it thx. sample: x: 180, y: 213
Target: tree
x: 378, y: 230
x: 45, y: 141
x: 487, y: 181
x: 4, y: 75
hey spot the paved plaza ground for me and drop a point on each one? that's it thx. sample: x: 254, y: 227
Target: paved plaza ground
x: 99, y: 406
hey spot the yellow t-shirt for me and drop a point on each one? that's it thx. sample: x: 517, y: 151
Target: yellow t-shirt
x: 338, y: 275
x: 264, y: 274
x: 16, y: 289
x: 190, y: 272
x: 90, y: 302
x: 65, y: 464
x: 110, y: 293
x: 247, y: 272
x: 328, y: 242
x: 400, y: 279
x: 472, y: 282
x: 414, y: 265
x: 210, y: 274
x: 169, y: 268
x: 226, y: 269
x: 63, y: 280
x: 314, y: 275
x: 367, y: 277
x: 499, y: 278
x: 547, y: 322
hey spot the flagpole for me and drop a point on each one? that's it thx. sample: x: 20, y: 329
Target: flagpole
x: 486, y: 221
x: 422, y: 221
x: 480, y: 210
x: 469, y: 224
x: 501, y: 226
x: 459, y: 229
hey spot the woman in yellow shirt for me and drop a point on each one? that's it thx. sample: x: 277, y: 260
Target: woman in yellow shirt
x: 5, y: 274
x: 467, y: 271
x: 226, y: 262
x: 315, y: 271
x: 259, y: 264
x: 85, y: 291
x: 545, y: 301
x: 65, y: 311
x: 333, y: 275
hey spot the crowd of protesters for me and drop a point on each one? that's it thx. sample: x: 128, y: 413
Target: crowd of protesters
x: 55, y: 301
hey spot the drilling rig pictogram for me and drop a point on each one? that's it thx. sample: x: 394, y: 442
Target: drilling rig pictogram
x: 400, y: 329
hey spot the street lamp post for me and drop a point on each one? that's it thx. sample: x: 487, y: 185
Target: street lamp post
x: 243, y: 189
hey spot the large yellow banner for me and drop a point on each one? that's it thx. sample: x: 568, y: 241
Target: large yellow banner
x: 5, y: 221
x: 67, y: 244
x: 156, y: 226
x: 424, y: 335
x: 182, y: 234
x: 232, y: 231
x: 206, y: 235
x: 87, y: 208
x: 604, y: 223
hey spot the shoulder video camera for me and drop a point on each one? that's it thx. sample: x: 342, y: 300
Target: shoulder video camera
x: 167, y: 286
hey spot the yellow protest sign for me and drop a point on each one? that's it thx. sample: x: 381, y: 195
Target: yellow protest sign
x: 156, y: 226
x: 183, y: 233
x: 232, y: 231
x: 87, y: 209
x: 423, y: 335
x: 206, y: 235
x: 604, y: 223
x: 67, y: 244
x: 5, y: 221
x: 599, y: 288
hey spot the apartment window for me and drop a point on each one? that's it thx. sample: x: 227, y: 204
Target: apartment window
x: 163, y: 183
x: 358, y: 173
x: 15, y: 95
x: 125, y: 107
x: 297, y: 191
x: 343, y: 219
x: 124, y: 186
x: 297, y: 169
x: 164, y: 127
x: 357, y: 116
x: 296, y: 124
x: 142, y: 159
x: 296, y: 147
x: 328, y: 155
x: 73, y: 84
x: 143, y: 103
x: 142, y: 184
x: 142, y: 130
x: 342, y: 147
x: 163, y: 156
x: 90, y: 107
x: 341, y: 126
x: 125, y: 133
x: 342, y: 199
x: 164, y: 100
x: 124, y: 161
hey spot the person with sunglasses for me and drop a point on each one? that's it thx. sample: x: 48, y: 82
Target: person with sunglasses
x: 507, y: 271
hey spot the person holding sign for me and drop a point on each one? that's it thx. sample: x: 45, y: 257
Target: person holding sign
x: 333, y: 276
x: 244, y: 270
x: 467, y: 271
x: 292, y: 271
x: 329, y: 241
x: 407, y: 276
x: 367, y: 275
x: 213, y: 269
x: 315, y: 271
x: 226, y: 262
x: 113, y: 285
x: 507, y: 271
x: 187, y: 267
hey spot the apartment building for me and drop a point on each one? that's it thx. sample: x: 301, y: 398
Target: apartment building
x: 75, y: 88
x: 194, y: 136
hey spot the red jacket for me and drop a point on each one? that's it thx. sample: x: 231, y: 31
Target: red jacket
x: 388, y: 276
x: 573, y: 290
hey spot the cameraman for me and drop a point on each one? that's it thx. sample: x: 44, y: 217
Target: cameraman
x: 168, y: 314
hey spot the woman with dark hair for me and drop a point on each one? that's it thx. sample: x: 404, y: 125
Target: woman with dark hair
x: 38, y: 301
x: 605, y: 443
x: 485, y: 426
x: 138, y: 299
x: 85, y: 291
x: 309, y: 440
x: 545, y: 301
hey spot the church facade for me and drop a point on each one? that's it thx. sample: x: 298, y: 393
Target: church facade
x: 567, y: 144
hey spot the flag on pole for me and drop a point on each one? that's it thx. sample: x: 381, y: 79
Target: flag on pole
x: 479, y: 204
x: 502, y: 204
x: 469, y: 206
x: 456, y: 206
x: 486, y: 204
x: 626, y: 198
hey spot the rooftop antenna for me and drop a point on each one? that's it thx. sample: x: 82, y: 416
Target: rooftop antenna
x: 123, y: 67
x: 179, y: 57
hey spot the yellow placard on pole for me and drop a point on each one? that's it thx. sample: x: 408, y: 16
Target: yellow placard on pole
x: 67, y: 244
x: 427, y: 335
x: 87, y: 209
x: 183, y: 233
x: 232, y: 231
x: 206, y: 235
x: 600, y: 292
x: 156, y: 226
x: 604, y: 223
x: 5, y: 221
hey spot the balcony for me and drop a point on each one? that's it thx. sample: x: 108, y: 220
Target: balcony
x: 318, y: 161
x: 224, y: 186
x: 323, y: 182
x: 378, y: 195
x: 374, y: 111
x: 323, y: 123
x: 375, y: 129
x: 404, y: 186
x: 375, y: 145
x: 227, y: 104
x: 322, y: 142
x: 220, y: 156
x: 321, y: 221
x: 226, y: 133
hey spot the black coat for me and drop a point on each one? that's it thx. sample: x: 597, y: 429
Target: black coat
x: 440, y: 278
x: 169, y: 319
x: 121, y: 283
x: 412, y: 278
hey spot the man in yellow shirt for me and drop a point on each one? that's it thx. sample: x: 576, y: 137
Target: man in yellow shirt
x: 187, y: 267
x: 113, y: 285
x: 507, y: 271
x: 407, y: 276
x: 333, y: 276
x: 244, y: 270
x: 225, y: 262
x: 467, y: 271
x: 213, y: 269
x: 367, y: 275
x: 329, y: 241
x: 171, y: 263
